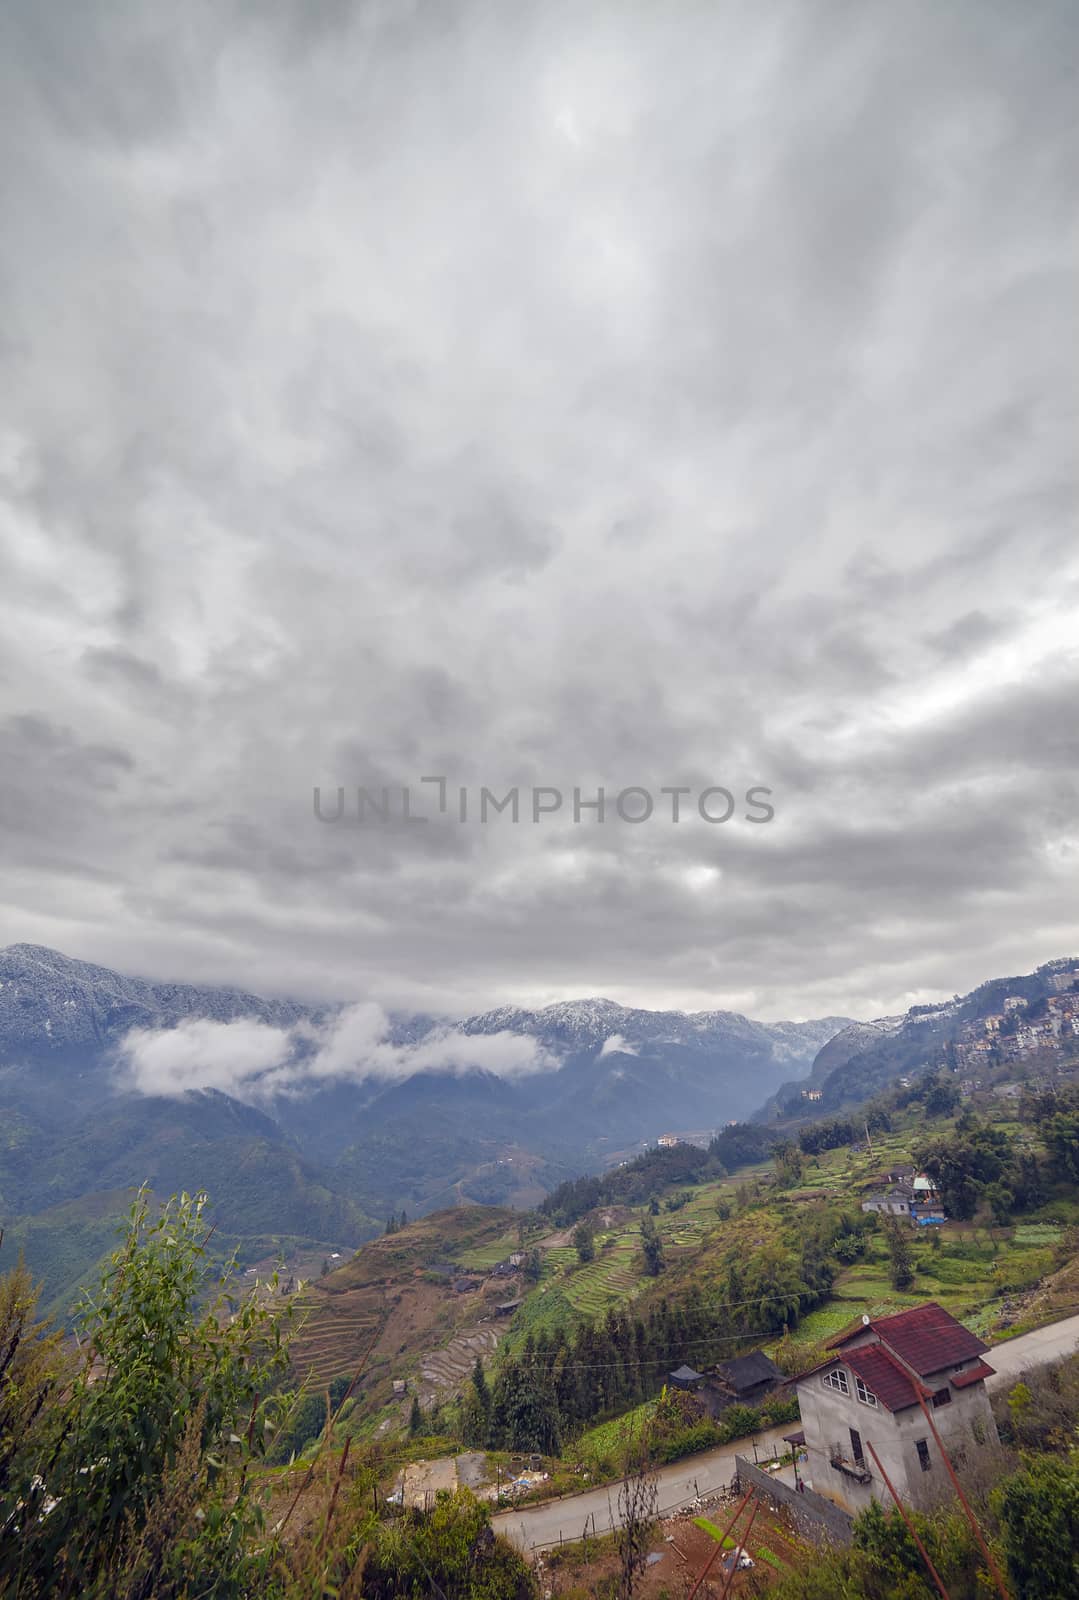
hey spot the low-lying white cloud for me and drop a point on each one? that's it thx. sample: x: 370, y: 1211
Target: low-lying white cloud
x: 618, y: 1045
x: 254, y: 1061
x: 201, y: 1054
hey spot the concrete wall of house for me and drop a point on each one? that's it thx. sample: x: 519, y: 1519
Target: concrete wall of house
x: 965, y: 1425
x: 820, y: 1519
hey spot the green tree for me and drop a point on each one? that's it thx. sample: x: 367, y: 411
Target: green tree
x: 170, y: 1387
x: 1061, y: 1136
x: 526, y: 1410
x: 415, y: 1417
x: 448, y: 1551
x: 901, y: 1259
x: 584, y: 1242
x: 479, y: 1384
x: 1001, y: 1201
x: 31, y: 1364
x: 652, y: 1246
x: 1038, y: 1510
x: 789, y: 1162
x: 942, y: 1097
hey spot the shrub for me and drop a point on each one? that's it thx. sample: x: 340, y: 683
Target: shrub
x: 165, y: 1404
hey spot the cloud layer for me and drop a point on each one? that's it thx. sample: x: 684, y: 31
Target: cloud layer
x: 254, y: 1061
x: 540, y: 394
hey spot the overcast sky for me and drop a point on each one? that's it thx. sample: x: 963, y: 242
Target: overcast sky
x: 542, y: 394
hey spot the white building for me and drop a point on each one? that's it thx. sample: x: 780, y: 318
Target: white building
x: 888, y: 1384
x: 895, y: 1201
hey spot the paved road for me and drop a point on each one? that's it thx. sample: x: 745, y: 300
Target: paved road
x: 1016, y: 1356
x: 534, y: 1526
x: 531, y: 1526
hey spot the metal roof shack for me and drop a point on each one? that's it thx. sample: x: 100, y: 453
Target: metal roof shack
x: 743, y: 1373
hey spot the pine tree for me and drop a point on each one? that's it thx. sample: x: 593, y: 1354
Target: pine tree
x: 415, y: 1417
x: 902, y: 1260
x: 479, y: 1383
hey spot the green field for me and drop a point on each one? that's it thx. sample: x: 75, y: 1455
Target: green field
x: 486, y: 1256
x: 609, y: 1439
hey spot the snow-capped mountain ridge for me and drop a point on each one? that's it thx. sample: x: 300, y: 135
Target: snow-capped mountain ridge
x: 47, y: 998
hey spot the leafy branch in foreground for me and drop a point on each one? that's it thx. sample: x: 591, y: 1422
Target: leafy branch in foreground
x: 97, y: 1469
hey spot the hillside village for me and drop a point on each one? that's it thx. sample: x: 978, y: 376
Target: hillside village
x: 467, y: 1293
x: 757, y: 1312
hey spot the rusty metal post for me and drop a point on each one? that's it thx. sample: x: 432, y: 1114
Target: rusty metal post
x: 718, y: 1551
x: 737, y: 1551
x: 971, y: 1518
x: 934, y: 1574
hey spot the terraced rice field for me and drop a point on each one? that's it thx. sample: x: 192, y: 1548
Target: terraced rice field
x: 1028, y: 1233
x: 333, y: 1342
x: 443, y: 1372
x: 561, y: 1256
x: 611, y: 1279
x: 489, y: 1255
x: 592, y: 1292
x: 682, y: 1234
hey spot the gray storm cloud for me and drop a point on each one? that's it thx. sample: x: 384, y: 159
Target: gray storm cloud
x: 254, y: 1061
x: 547, y: 395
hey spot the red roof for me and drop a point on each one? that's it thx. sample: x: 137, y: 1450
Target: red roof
x: 883, y: 1375
x: 927, y: 1338
x: 972, y: 1375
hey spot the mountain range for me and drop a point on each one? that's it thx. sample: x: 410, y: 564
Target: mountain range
x: 311, y: 1149
x: 321, y: 1158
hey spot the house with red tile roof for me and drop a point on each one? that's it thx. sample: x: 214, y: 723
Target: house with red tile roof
x: 908, y: 1386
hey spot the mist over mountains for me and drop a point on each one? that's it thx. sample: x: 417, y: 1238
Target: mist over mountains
x: 327, y: 1070
x: 316, y: 1121
x: 309, y: 1124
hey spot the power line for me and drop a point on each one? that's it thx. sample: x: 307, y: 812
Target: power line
x: 691, y: 1344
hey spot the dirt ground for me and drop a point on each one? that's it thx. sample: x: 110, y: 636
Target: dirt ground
x: 423, y: 1480
x: 683, y: 1550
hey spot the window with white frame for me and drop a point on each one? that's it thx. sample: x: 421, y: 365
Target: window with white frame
x: 866, y: 1396
x: 837, y: 1380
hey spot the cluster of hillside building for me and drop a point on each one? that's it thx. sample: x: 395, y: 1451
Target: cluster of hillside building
x: 878, y: 1414
x: 743, y: 1380
x: 908, y: 1194
x: 1013, y: 1033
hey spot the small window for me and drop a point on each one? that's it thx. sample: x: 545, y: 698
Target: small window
x: 866, y: 1396
x: 856, y: 1453
x: 837, y: 1380
x: 943, y: 1397
x: 923, y: 1454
